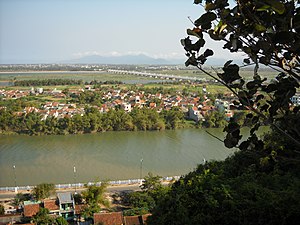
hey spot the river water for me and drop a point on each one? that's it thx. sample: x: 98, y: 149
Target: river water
x: 105, y: 156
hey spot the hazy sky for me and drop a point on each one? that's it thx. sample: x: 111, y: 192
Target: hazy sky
x: 57, y: 30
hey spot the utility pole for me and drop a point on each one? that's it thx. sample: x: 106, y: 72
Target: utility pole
x: 141, y: 170
x: 74, y: 170
x: 15, y: 177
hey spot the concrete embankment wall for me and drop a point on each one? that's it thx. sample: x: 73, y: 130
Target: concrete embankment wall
x: 82, y: 185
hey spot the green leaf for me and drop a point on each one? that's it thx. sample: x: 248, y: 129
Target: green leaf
x: 197, y: 1
x: 208, y: 52
x: 263, y: 8
x: 205, y: 19
x: 220, y: 27
x: 210, y: 6
x: 228, y: 63
x: 260, y: 28
x: 277, y: 6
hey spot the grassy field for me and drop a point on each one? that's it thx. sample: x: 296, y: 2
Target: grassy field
x: 244, y: 72
x: 76, y: 76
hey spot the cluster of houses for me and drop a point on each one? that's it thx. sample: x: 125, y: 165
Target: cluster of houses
x: 194, y: 107
x: 16, y: 94
x: 64, y: 206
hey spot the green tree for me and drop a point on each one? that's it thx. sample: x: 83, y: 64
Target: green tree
x: 95, y: 193
x: 151, y: 182
x: 215, y: 119
x: 94, y: 197
x: 61, y: 221
x: 20, y: 198
x: 42, y: 191
x: 139, y: 199
x: 88, y: 212
x: 43, y: 218
x: 152, y: 192
x: 2, y: 210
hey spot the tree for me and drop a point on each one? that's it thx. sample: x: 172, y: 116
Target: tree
x: 88, y: 212
x: 42, y: 191
x: 20, y: 198
x: 145, y: 200
x: 215, y: 119
x: 43, y: 218
x: 61, y: 221
x: 151, y: 182
x: 2, y: 210
x: 95, y: 194
x: 264, y: 32
x: 94, y: 197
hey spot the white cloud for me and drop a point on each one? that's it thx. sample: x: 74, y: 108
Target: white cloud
x: 172, y: 55
x: 87, y: 53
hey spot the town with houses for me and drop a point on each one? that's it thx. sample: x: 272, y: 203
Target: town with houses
x: 123, y: 99
x: 64, y: 205
x: 194, y: 107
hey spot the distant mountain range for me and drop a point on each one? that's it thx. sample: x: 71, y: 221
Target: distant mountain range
x: 125, y: 59
x: 135, y: 59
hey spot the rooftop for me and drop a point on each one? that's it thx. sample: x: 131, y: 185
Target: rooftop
x: 31, y: 210
x: 114, y: 218
x: 65, y: 197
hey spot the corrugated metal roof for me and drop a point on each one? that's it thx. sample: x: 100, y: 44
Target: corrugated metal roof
x: 65, y: 197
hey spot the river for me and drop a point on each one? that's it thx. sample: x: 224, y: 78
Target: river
x: 105, y: 156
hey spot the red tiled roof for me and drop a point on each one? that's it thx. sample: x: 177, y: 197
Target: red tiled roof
x: 31, y: 210
x: 133, y: 220
x: 51, y: 205
x: 114, y: 218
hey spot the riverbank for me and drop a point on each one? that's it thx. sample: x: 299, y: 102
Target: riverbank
x: 113, y: 186
x: 187, y: 125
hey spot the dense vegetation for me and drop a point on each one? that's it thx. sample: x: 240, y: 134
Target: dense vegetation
x: 94, y: 198
x: 54, y: 82
x: 43, y: 217
x: 47, y: 82
x: 142, y: 202
x: 260, y: 183
x: 92, y: 121
x: 42, y: 191
x: 246, y: 188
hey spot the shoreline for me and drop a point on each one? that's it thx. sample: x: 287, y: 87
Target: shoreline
x: 78, y: 186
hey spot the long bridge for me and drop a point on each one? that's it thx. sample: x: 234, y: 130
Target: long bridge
x: 158, y: 75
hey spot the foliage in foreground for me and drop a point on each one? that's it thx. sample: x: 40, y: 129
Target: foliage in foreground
x: 243, y: 189
x: 259, y: 184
